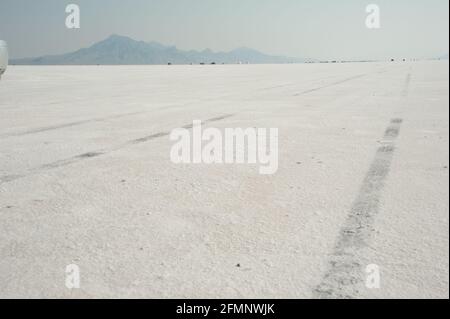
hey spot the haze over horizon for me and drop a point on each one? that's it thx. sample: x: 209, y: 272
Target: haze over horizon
x: 321, y: 30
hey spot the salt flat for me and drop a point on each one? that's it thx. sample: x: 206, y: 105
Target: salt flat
x: 362, y: 180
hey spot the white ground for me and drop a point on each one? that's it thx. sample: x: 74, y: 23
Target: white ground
x: 139, y: 226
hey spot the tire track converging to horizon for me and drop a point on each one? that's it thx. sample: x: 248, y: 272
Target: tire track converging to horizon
x: 349, y: 79
x: 93, y: 154
x: 44, y: 129
x: 331, y: 84
x: 66, y: 125
x: 344, y: 278
x: 97, y: 153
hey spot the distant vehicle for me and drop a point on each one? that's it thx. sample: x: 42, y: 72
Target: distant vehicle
x: 3, y: 57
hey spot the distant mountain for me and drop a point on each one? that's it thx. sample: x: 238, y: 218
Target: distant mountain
x: 120, y: 50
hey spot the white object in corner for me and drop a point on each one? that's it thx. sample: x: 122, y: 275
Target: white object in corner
x: 3, y: 57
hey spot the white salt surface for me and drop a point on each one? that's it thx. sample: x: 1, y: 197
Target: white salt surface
x: 76, y: 187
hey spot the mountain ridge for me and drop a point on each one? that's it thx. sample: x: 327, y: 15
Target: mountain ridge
x: 122, y: 50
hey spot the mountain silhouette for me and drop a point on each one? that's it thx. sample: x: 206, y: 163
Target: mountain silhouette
x: 121, y: 50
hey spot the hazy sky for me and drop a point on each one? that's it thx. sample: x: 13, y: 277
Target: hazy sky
x: 320, y: 29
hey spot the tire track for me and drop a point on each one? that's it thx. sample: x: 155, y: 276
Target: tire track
x: 94, y: 120
x: 66, y: 125
x: 331, y: 84
x: 94, y: 154
x: 344, y: 279
x: 405, y: 91
x: 107, y: 118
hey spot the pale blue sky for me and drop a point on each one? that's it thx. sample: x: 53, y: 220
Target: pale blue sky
x: 319, y: 29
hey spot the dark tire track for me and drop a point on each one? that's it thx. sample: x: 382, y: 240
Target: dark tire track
x: 94, y: 154
x: 344, y: 279
x: 331, y: 84
x: 66, y: 125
